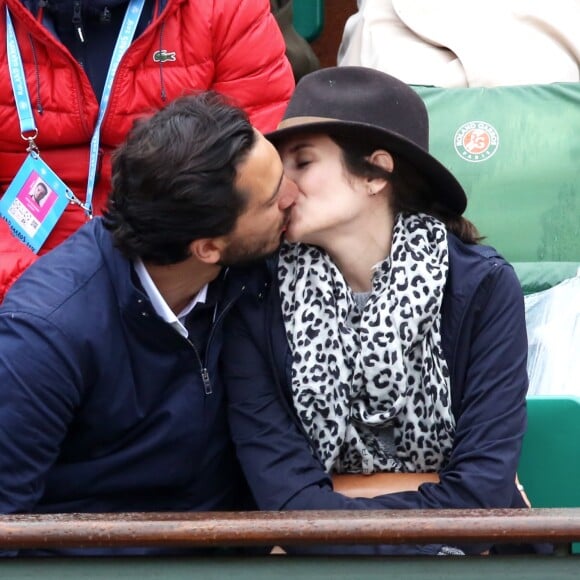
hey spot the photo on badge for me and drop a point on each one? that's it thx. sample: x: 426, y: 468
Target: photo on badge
x: 37, y: 196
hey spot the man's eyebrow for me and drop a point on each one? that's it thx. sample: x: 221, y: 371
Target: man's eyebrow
x: 275, y: 192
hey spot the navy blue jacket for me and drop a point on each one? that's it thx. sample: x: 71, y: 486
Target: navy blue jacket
x: 102, y: 404
x: 485, y: 345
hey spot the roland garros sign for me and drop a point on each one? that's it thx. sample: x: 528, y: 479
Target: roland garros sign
x: 476, y: 141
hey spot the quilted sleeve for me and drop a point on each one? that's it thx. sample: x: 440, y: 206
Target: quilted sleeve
x: 251, y: 65
x: 15, y: 257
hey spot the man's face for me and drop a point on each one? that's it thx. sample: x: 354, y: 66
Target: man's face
x: 270, y: 196
x: 40, y: 191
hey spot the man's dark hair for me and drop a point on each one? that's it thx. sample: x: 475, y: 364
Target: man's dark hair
x: 173, y: 178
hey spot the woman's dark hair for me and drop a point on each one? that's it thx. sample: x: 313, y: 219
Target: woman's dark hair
x: 411, y: 192
x: 173, y: 178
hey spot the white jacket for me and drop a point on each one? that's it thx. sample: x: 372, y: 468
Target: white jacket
x: 466, y: 43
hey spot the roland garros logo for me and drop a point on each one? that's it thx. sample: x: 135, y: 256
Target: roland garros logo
x: 476, y: 141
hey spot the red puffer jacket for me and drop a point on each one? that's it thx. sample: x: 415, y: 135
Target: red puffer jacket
x: 231, y: 46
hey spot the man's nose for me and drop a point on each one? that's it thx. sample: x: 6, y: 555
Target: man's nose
x: 288, y: 194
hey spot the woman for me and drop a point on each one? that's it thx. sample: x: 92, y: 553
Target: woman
x: 383, y: 338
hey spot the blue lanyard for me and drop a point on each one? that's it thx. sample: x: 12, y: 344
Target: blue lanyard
x: 18, y: 80
x: 22, y: 98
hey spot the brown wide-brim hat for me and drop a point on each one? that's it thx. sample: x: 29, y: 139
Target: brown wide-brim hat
x: 352, y: 100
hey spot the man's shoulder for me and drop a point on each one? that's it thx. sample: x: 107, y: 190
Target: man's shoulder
x: 66, y: 278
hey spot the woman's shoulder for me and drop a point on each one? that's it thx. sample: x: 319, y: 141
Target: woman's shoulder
x: 474, y: 256
x: 476, y: 266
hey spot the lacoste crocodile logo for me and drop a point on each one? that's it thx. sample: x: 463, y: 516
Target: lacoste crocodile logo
x: 163, y: 56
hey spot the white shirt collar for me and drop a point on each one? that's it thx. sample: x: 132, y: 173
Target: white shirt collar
x: 159, y: 304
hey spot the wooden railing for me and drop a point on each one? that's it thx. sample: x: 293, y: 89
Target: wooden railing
x: 559, y: 526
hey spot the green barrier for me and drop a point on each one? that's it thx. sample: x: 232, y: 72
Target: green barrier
x: 278, y: 567
x: 549, y: 466
x: 309, y: 18
x: 516, y: 151
x: 550, y: 462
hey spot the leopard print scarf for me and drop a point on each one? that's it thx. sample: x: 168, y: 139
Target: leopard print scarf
x: 365, y: 384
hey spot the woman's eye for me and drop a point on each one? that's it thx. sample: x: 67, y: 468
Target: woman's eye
x: 300, y: 164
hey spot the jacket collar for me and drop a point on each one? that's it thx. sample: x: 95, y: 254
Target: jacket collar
x: 254, y: 279
x: 131, y: 296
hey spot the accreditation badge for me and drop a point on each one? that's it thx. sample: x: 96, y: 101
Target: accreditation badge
x: 34, y: 202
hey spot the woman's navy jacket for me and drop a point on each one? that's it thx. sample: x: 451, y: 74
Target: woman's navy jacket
x: 485, y: 345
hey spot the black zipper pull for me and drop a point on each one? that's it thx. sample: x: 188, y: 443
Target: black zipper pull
x: 77, y: 20
x: 206, y: 382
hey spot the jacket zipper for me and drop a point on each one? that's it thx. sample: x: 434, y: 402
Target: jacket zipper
x: 203, y: 368
x: 203, y: 364
x: 38, y: 32
x: 39, y: 108
x: 77, y: 20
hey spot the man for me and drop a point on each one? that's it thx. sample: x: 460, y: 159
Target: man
x: 39, y: 193
x: 109, y: 396
x: 67, y: 49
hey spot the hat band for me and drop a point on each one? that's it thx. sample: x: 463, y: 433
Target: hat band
x: 293, y: 121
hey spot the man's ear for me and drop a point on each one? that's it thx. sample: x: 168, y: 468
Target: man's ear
x: 207, y: 250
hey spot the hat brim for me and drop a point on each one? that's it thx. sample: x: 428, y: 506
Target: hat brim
x: 446, y: 189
